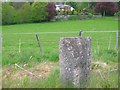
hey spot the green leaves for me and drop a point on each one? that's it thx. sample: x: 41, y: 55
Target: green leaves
x: 8, y: 14
x: 82, y: 5
x: 39, y: 11
x: 24, y: 14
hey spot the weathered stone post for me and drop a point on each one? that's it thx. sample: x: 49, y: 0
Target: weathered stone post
x: 75, y: 60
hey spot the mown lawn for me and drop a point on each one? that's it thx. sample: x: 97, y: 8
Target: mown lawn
x: 22, y: 48
x: 106, y: 23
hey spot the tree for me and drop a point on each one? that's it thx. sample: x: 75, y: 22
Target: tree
x: 17, y: 5
x: 39, y: 11
x: 8, y: 14
x: 51, y: 11
x: 24, y: 14
x: 106, y: 8
x: 72, y: 4
x: 118, y: 4
x: 82, y: 5
x: 0, y: 13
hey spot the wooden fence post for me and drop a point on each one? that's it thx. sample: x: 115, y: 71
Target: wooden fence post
x: 19, y: 45
x: 39, y: 43
x: 117, y: 40
x: 75, y: 60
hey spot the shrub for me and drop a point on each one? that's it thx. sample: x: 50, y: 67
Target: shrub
x: 0, y: 13
x: 19, y: 17
x: 17, y: 5
x: 80, y: 6
x: 75, y: 13
x: 73, y: 17
x: 59, y: 19
x: 27, y: 12
x: 51, y: 11
x: 62, y: 12
x: 69, y: 12
x: 24, y: 14
x: 117, y: 14
x: 91, y: 11
x: 8, y: 14
x: 72, y: 4
x: 39, y: 11
x: 90, y: 15
x: 106, y: 8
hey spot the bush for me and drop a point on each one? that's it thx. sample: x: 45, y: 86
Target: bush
x: 69, y: 12
x: 59, y: 19
x: 51, y: 11
x: 72, y: 4
x: 106, y: 8
x: 39, y: 11
x: 62, y: 12
x: 24, y: 14
x: 17, y: 5
x: 80, y: 6
x: 90, y: 15
x: 75, y: 13
x: 74, y: 17
x: 27, y: 11
x: 91, y: 11
x: 0, y: 14
x: 18, y: 16
x: 8, y: 14
x: 117, y: 14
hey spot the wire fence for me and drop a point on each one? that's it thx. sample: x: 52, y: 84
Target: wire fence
x: 19, y: 48
x: 100, y: 39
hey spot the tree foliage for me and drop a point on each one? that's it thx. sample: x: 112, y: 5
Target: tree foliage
x: 0, y: 13
x: 39, y: 11
x: 51, y: 11
x: 72, y: 4
x: 105, y: 8
x: 24, y: 14
x: 119, y: 5
x: 17, y: 5
x: 82, y: 5
x: 8, y: 14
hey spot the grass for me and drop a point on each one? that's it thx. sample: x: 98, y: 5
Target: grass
x: 53, y: 80
x: 103, y: 47
x: 106, y: 23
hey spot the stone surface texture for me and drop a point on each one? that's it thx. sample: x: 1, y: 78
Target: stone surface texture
x: 75, y: 60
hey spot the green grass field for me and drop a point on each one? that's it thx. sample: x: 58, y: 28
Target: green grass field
x: 103, y: 49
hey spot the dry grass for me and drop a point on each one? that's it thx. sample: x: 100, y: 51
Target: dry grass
x: 41, y: 70
x: 102, y: 75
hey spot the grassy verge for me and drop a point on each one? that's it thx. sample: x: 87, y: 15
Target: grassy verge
x: 52, y: 80
x: 22, y: 49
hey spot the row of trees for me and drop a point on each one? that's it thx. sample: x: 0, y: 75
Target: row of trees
x: 104, y: 8
x: 26, y: 12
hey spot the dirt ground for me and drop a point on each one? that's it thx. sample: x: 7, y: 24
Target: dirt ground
x: 44, y: 69
x: 39, y: 71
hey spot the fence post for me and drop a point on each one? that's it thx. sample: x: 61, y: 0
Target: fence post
x: 39, y: 43
x: 19, y: 45
x: 117, y: 39
x: 109, y: 43
x: 75, y: 60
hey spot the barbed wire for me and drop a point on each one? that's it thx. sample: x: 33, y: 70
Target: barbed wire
x: 41, y: 40
x: 52, y: 32
x: 108, y: 40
